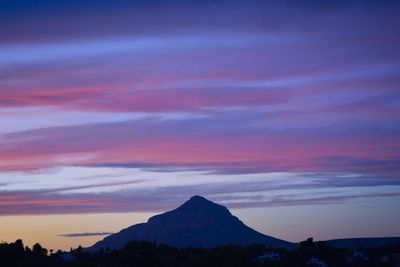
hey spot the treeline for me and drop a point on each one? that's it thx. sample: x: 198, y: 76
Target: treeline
x: 145, y: 254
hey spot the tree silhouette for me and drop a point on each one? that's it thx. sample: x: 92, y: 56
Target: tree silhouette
x: 146, y: 254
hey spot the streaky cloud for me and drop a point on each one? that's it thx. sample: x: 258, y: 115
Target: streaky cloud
x: 261, y: 193
x: 87, y: 234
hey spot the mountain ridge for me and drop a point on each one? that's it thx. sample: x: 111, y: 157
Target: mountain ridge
x: 365, y: 242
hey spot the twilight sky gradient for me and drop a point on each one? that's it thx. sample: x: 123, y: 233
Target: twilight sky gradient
x: 112, y: 111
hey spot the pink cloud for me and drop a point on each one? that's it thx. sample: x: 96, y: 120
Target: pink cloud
x: 201, y: 143
x: 264, y: 88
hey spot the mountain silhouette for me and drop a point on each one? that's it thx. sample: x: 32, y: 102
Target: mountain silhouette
x: 364, y: 242
x: 196, y: 223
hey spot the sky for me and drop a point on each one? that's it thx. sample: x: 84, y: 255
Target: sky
x: 113, y: 111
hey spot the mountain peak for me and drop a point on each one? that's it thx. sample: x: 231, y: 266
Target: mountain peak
x: 201, y: 205
x: 196, y: 201
x: 198, y: 198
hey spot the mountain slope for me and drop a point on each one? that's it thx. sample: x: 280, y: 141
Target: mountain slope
x: 197, y: 223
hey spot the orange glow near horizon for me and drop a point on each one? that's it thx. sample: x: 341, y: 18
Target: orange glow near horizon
x: 47, y: 229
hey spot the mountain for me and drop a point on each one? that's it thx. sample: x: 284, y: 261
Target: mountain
x: 196, y: 223
x: 370, y: 242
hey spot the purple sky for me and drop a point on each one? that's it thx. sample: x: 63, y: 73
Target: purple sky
x: 264, y: 106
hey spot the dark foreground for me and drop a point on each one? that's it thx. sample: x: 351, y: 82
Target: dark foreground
x: 139, y: 254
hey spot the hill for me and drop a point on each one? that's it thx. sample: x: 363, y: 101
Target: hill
x: 196, y: 223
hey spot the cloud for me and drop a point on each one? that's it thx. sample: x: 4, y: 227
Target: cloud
x: 226, y: 142
x: 49, y: 21
x: 233, y: 60
x: 317, y: 201
x: 259, y: 87
x: 87, y: 234
x: 293, y: 191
